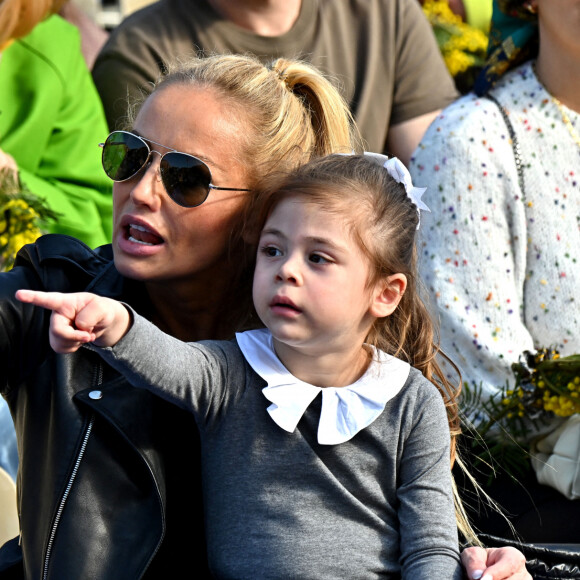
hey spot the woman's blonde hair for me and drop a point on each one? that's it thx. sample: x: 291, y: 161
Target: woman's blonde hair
x: 19, y: 17
x: 383, y: 221
x: 291, y: 112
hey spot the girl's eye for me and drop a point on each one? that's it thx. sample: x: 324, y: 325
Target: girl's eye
x: 318, y: 259
x: 270, y: 251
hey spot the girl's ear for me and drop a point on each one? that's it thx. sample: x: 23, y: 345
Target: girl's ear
x: 387, y: 295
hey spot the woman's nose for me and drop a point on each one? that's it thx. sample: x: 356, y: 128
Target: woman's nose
x: 147, y: 187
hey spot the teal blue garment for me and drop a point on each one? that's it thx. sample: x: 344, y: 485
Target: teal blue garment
x: 51, y: 122
x: 513, y: 39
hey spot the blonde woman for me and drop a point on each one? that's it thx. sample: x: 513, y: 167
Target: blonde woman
x: 105, y: 490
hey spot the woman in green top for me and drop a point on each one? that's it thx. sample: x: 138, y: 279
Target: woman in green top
x: 52, y: 120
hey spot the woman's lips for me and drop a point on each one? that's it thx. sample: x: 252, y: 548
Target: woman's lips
x: 136, y: 237
x: 141, y: 235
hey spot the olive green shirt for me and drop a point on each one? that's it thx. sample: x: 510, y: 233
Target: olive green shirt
x: 382, y: 53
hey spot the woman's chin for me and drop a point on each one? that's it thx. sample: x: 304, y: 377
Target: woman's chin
x: 137, y: 261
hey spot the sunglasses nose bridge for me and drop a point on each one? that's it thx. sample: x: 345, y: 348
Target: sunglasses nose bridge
x: 149, y: 162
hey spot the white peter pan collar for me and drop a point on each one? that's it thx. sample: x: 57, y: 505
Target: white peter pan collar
x: 345, y: 410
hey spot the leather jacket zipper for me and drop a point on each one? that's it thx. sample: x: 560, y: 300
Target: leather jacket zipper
x: 69, y: 485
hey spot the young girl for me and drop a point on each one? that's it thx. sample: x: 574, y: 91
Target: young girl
x: 326, y: 435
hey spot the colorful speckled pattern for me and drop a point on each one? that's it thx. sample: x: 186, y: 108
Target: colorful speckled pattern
x: 503, y: 269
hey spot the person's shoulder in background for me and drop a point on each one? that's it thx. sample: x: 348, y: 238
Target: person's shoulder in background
x: 42, y: 38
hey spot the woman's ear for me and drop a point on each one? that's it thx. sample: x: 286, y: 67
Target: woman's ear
x: 387, y: 295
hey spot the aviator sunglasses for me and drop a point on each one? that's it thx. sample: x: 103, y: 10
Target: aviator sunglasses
x: 186, y: 179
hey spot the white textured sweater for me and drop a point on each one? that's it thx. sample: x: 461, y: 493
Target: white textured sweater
x: 503, y: 268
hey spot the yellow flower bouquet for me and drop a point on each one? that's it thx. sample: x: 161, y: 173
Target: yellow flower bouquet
x: 22, y: 216
x: 546, y: 386
x: 462, y: 46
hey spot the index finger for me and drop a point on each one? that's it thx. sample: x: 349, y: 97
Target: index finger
x: 51, y: 300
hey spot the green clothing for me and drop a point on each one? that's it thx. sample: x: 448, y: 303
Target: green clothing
x: 51, y: 122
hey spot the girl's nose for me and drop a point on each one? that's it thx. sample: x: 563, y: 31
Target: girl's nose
x: 289, y: 270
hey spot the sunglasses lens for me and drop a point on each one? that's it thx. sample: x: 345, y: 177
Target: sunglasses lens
x: 124, y: 155
x: 186, y: 179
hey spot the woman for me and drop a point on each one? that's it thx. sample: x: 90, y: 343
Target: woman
x: 118, y: 496
x: 501, y: 244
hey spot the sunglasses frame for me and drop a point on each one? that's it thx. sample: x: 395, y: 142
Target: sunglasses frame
x: 162, y: 155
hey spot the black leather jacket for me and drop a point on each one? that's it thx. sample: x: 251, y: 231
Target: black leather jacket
x: 108, y: 485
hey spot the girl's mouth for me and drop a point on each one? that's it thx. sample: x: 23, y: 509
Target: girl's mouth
x: 281, y: 304
x: 288, y: 306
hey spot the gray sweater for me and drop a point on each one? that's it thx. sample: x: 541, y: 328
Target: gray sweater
x: 279, y: 504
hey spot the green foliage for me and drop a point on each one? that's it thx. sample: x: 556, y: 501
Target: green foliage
x: 496, y: 430
x: 487, y: 444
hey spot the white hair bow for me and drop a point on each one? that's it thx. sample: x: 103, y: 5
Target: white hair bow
x: 397, y: 170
